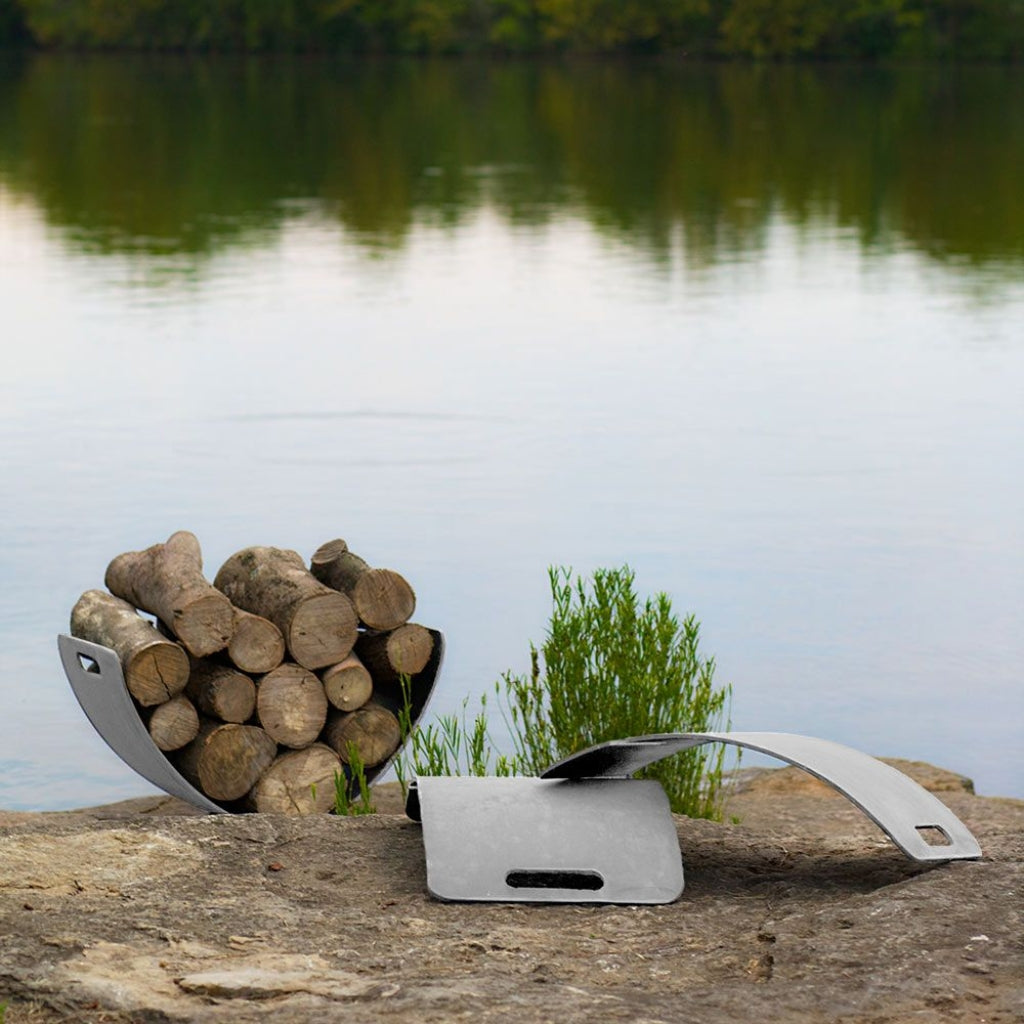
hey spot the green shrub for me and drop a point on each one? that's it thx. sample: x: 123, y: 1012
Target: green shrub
x: 612, y: 668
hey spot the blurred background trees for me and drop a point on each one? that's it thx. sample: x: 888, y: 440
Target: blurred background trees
x: 763, y: 29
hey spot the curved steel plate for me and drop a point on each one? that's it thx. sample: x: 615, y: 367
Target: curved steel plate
x: 905, y: 811
x: 94, y: 672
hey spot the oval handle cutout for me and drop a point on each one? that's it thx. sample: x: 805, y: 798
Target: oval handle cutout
x: 523, y: 878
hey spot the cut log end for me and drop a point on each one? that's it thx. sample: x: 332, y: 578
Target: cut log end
x: 347, y: 685
x: 298, y: 782
x: 404, y: 651
x: 291, y: 705
x: 156, y: 673
x: 174, y: 723
x: 383, y: 599
x: 409, y: 648
x: 326, y: 554
x: 221, y: 692
x: 256, y: 644
x: 322, y: 630
x: 372, y: 731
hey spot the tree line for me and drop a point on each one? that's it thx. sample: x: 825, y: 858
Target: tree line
x: 764, y: 29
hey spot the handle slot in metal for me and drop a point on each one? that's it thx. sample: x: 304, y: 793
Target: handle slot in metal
x: 934, y: 835
x: 525, y: 878
x: 88, y: 664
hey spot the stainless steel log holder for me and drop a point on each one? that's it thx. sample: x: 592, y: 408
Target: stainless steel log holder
x: 95, y: 675
x: 587, y: 832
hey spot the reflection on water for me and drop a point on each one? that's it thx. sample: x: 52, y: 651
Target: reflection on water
x: 177, y: 157
x: 758, y: 332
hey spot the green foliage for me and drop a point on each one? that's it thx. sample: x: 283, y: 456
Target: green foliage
x: 13, y: 31
x: 351, y: 788
x: 450, y: 745
x: 873, y: 29
x: 987, y: 29
x: 612, y: 667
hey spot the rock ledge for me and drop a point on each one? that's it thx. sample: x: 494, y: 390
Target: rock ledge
x: 804, y: 911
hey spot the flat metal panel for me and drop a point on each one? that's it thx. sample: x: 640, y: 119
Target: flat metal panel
x: 534, y: 840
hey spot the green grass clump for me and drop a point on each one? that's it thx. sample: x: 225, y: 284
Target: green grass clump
x: 612, y: 667
x: 450, y: 745
x: 352, y: 790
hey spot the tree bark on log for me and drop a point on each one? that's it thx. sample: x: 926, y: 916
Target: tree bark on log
x: 155, y: 669
x: 256, y: 644
x: 226, y: 761
x: 167, y: 580
x: 221, y: 692
x: 319, y: 624
x: 373, y: 730
x: 348, y: 684
x: 382, y: 598
x: 291, y: 705
x: 298, y: 782
x: 174, y: 723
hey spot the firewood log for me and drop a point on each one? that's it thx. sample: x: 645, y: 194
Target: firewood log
x: 298, y: 782
x: 256, y: 644
x: 318, y: 623
x: 155, y: 669
x: 382, y: 598
x: 221, y: 692
x: 226, y: 761
x: 403, y: 651
x: 347, y: 685
x: 372, y: 729
x: 167, y: 580
x: 291, y: 705
x: 173, y: 723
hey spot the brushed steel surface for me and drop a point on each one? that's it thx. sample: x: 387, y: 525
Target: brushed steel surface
x: 905, y: 811
x: 553, y: 841
x: 100, y: 688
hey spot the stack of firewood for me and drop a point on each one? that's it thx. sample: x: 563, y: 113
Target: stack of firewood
x: 265, y: 685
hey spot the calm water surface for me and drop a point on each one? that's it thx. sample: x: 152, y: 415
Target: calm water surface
x: 757, y: 332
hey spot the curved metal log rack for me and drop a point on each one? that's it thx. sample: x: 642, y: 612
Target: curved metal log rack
x: 95, y: 675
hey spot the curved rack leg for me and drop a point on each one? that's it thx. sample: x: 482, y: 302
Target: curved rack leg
x: 94, y: 673
x: 905, y: 811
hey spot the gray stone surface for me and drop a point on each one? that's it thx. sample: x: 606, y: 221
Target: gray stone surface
x: 803, y: 911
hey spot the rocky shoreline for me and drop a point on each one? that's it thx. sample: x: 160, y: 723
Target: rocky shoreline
x: 802, y: 911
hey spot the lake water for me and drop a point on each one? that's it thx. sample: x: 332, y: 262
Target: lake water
x: 756, y: 332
